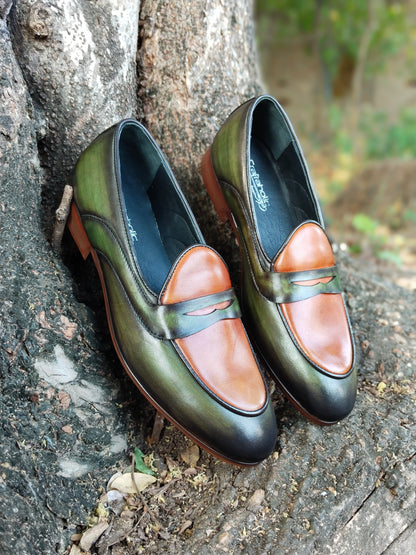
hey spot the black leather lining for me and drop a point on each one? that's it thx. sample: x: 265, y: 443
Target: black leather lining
x: 280, y: 195
x: 159, y: 225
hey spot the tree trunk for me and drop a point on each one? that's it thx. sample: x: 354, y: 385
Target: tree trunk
x: 69, y: 416
x: 359, y: 73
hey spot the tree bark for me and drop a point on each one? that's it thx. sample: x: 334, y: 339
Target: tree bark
x: 69, y: 416
x: 359, y: 73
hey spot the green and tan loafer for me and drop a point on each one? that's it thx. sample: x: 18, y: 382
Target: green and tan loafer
x: 173, y: 315
x: 291, y: 296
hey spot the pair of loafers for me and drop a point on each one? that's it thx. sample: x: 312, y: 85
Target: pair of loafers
x: 173, y: 315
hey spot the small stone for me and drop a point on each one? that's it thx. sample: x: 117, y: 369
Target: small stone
x: 255, y: 501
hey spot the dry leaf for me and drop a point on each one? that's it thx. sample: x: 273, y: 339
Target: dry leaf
x: 114, y: 496
x: 92, y: 534
x: 125, y: 484
x: 171, y: 464
x: 191, y: 455
x: 113, y: 477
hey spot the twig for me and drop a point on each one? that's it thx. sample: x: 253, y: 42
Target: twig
x: 157, y: 429
x: 162, y: 490
x: 61, y: 216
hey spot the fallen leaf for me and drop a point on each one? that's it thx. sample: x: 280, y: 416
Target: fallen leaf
x: 139, y: 462
x: 114, y: 496
x: 92, y: 534
x: 191, y: 455
x: 101, y: 511
x: 115, y: 500
x: 381, y: 386
x: 171, y: 464
x: 113, y: 477
x: 125, y: 484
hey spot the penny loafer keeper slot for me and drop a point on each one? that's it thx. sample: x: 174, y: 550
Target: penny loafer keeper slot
x: 219, y: 356
x: 290, y: 287
x: 164, y: 321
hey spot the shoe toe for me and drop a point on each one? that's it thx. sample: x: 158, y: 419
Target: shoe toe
x: 325, y: 399
x: 249, y: 440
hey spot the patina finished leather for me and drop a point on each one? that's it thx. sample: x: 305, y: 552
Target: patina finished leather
x: 228, y: 369
x: 184, y: 346
x: 291, y: 297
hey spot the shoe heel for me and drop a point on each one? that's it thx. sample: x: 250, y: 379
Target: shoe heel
x: 78, y: 233
x: 213, y: 188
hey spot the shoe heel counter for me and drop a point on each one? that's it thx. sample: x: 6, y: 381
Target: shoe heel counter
x: 78, y: 232
x: 95, y: 163
x: 213, y: 187
x: 228, y: 150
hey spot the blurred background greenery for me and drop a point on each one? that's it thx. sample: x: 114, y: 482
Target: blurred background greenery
x: 345, y: 72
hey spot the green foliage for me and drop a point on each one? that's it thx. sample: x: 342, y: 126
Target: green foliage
x: 397, y: 140
x: 381, y: 138
x: 410, y: 216
x: 341, y: 138
x: 390, y: 256
x: 371, y: 230
x: 139, y: 462
x: 337, y: 27
x: 391, y: 34
x: 364, y: 224
x: 293, y: 17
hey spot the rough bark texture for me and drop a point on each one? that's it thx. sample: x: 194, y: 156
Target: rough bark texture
x: 196, y: 63
x: 69, y: 417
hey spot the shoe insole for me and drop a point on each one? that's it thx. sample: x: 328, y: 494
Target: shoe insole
x: 158, y: 224
x: 280, y: 200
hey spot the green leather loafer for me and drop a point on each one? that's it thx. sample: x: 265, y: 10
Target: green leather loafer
x: 292, y: 299
x: 173, y: 315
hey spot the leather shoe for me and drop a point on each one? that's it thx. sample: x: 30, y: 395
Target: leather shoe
x: 173, y: 315
x: 291, y: 296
